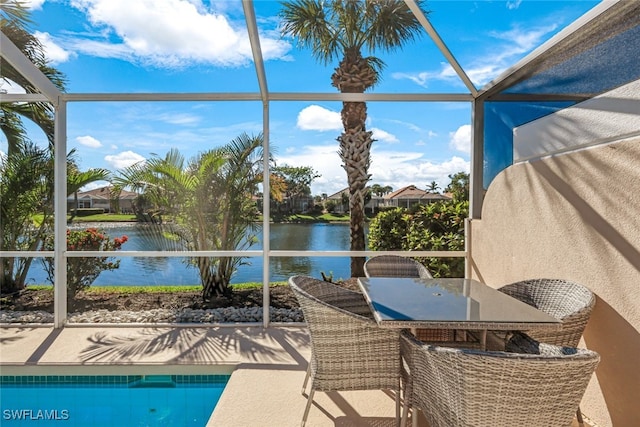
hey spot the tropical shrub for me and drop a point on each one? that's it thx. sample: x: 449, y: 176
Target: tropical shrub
x: 207, y: 202
x: 25, y: 215
x: 82, y: 272
x: 388, y: 230
x: 438, y: 226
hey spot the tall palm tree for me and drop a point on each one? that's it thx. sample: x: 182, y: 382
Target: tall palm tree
x: 345, y: 29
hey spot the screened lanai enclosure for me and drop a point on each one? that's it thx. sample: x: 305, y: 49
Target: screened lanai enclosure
x: 552, y: 152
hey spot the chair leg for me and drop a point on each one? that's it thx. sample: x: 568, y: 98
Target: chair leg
x: 306, y: 378
x: 398, y: 420
x: 405, y: 414
x: 579, y: 417
x: 406, y: 407
x: 306, y: 409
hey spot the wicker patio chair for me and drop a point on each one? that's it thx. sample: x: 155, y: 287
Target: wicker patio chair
x: 462, y: 387
x: 395, y: 266
x: 570, y: 302
x: 348, y: 349
x: 400, y: 266
x: 567, y: 301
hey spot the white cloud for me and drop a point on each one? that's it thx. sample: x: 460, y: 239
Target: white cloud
x: 9, y: 86
x: 53, y: 52
x: 168, y: 33
x: 408, y: 125
x: 508, y: 47
x: 89, y: 141
x: 381, y: 135
x: 319, y: 118
x: 400, y: 169
x: 513, y: 4
x: 422, y: 78
x: 388, y: 167
x: 179, y: 118
x: 325, y: 160
x: 33, y: 4
x: 94, y: 185
x: 123, y: 160
x: 522, y: 40
x: 460, y: 140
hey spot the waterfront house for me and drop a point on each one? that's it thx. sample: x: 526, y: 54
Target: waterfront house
x: 341, y: 201
x: 103, y: 198
x: 411, y: 195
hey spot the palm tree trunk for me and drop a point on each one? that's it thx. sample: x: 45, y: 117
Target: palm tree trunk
x: 355, y: 148
x: 355, y: 75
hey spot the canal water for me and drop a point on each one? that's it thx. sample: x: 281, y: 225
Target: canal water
x: 175, y: 270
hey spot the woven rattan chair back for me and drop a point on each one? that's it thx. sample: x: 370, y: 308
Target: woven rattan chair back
x: 348, y: 349
x: 568, y: 301
x: 462, y: 387
x: 395, y: 266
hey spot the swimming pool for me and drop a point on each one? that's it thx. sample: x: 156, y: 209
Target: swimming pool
x: 109, y: 400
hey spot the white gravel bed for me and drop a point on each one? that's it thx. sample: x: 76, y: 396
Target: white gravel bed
x: 160, y: 315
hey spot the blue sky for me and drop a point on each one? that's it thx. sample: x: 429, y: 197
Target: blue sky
x: 192, y: 46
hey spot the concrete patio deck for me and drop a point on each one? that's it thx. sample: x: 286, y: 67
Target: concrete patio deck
x: 267, y: 366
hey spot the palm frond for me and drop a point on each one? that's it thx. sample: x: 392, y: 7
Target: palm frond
x: 391, y: 25
x: 14, y: 11
x: 308, y: 23
x: 77, y: 180
x: 12, y: 128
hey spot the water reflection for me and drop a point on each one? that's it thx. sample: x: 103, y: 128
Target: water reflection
x: 176, y: 271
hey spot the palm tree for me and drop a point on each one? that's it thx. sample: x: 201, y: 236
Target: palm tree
x: 23, y: 191
x: 433, y: 187
x: 14, y: 19
x: 343, y: 29
x: 27, y: 171
x: 161, y: 184
x: 26, y: 211
x: 207, y: 200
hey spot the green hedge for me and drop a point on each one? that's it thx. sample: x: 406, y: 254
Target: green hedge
x: 438, y: 226
x: 87, y: 211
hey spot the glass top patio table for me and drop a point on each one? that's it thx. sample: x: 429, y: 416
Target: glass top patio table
x: 448, y: 304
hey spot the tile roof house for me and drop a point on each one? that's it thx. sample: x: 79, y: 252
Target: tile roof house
x: 102, y: 197
x: 411, y: 195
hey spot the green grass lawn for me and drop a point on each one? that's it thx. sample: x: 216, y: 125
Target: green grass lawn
x: 107, y: 217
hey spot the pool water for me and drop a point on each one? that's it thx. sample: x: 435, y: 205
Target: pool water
x: 127, y: 401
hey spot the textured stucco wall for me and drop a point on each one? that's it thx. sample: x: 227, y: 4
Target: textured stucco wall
x: 576, y: 216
